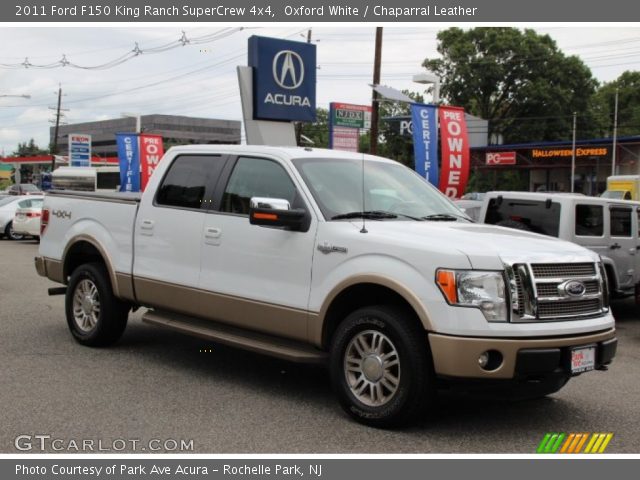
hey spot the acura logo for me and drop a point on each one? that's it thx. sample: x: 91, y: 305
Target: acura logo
x: 575, y: 289
x: 288, y: 69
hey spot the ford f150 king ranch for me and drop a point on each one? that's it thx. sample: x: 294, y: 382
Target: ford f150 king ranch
x: 322, y: 256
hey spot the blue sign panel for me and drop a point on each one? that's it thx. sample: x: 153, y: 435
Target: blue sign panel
x: 79, y: 150
x: 425, y: 141
x: 284, y: 79
x: 129, y: 157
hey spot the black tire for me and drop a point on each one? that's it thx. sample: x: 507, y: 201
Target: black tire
x: 107, y: 325
x: 10, y: 234
x: 513, y: 224
x: 415, y: 392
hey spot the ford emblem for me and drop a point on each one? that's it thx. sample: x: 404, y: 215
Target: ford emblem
x: 575, y: 289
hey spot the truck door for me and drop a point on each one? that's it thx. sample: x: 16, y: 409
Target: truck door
x: 168, y: 232
x: 622, y: 249
x: 257, y: 277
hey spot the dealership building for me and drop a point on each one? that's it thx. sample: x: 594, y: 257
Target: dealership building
x: 175, y: 130
x: 547, y: 165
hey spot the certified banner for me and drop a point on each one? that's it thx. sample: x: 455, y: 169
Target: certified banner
x: 425, y: 141
x: 129, y: 158
x: 454, y: 143
x: 151, y: 151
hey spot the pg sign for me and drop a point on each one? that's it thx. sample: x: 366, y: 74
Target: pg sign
x: 284, y: 79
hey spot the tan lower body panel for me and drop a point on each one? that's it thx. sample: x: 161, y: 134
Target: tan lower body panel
x: 235, y: 337
x: 458, y: 356
x: 263, y: 317
x: 52, y: 269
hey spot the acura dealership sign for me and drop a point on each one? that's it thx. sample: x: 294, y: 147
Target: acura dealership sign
x: 284, y: 79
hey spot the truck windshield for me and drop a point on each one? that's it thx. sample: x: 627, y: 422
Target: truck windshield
x: 391, y: 191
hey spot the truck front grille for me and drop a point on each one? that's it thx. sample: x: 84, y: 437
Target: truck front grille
x: 541, y: 291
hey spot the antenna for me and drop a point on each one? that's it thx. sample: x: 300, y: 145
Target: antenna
x: 364, y: 225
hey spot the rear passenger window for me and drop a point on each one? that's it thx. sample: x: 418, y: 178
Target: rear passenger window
x: 185, y: 184
x: 589, y: 220
x: 620, y: 222
x: 256, y: 177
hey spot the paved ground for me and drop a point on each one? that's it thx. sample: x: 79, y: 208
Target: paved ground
x: 159, y: 385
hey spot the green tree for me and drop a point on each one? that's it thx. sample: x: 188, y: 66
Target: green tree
x: 392, y: 144
x: 518, y: 80
x: 628, y: 87
x: 29, y: 149
x: 318, y: 131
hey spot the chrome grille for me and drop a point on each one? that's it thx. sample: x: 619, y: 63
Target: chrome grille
x: 549, y: 301
x: 563, y: 270
x: 551, y: 289
x: 569, y: 309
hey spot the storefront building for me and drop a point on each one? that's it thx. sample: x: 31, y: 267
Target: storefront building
x: 547, y: 165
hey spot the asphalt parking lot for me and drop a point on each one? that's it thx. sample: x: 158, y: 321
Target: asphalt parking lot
x: 159, y: 385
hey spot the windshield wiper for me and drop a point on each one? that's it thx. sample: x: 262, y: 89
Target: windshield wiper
x: 445, y: 217
x: 369, y: 214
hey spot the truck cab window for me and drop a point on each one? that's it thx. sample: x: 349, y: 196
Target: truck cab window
x: 186, y: 182
x: 256, y: 177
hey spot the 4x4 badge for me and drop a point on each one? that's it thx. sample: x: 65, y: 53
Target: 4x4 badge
x: 61, y: 214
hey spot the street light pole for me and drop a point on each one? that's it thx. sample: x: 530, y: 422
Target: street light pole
x: 615, y: 135
x: 573, y: 154
x: 375, y: 103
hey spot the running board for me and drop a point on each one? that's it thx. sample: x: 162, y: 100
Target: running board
x: 235, y: 337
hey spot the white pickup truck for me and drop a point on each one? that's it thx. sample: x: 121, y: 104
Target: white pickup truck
x: 323, y: 256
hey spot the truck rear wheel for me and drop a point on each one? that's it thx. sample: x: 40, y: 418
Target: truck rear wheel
x: 381, y: 367
x: 95, y: 316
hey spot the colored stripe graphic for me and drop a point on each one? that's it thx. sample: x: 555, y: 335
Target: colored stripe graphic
x: 555, y: 442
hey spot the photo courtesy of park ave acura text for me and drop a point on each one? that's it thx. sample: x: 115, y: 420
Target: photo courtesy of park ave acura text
x: 285, y: 238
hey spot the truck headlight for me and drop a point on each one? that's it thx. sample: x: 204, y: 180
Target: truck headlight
x: 472, y: 288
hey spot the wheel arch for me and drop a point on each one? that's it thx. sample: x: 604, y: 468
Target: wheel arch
x: 84, y: 249
x: 358, y: 292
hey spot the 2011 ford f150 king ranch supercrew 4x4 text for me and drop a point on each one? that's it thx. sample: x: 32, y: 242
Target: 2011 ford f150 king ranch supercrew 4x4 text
x: 285, y: 251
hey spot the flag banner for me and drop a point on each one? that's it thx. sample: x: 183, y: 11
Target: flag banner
x: 454, y: 144
x: 151, y: 151
x: 425, y: 141
x: 129, y: 158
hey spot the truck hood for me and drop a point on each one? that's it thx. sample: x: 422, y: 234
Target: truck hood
x: 486, y: 246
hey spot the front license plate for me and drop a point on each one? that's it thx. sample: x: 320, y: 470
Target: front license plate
x: 583, y: 359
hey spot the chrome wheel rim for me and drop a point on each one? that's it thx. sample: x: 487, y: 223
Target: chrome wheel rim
x: 86, y: 305
x: 372, y: 368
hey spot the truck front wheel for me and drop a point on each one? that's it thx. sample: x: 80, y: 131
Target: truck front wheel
x: 94, y: 315
x: 381, y: 367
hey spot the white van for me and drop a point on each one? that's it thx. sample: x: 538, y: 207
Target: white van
x: 86, y: 179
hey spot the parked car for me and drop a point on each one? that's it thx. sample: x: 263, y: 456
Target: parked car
x: 607, y: 226
x: 8, y: 207
x: 331, y: 257
x: 27, y: 218
x: 24, y: 189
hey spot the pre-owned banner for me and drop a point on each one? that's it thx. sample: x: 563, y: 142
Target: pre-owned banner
x: 151, y: 151
x: 129, y: 158
x: 425, y: 141
x: 454, y: 144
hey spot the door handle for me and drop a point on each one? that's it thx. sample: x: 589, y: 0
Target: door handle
x: 212, y: 232
x: 615, y: 246
x: 147, y: 224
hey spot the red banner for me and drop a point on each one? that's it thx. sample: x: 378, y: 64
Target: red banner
x: 454, y: 145
x: 151, y: 151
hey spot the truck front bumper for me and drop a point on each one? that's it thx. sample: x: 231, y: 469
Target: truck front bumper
x: 516, y: 358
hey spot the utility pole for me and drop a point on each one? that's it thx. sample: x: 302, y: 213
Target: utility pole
x: 54, y: 146
x: 375, y: 103
x: 299, y: 124
x: 615, y: 135
x: 573, y: 154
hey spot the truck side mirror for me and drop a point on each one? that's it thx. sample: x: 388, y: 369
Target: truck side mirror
x: 276, y: 212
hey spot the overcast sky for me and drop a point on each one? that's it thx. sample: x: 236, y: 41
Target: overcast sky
x: 200, y: 80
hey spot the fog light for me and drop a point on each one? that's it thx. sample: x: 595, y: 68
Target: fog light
x: 483, y: 359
